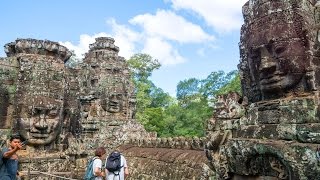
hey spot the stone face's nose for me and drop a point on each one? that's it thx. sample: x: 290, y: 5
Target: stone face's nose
x: 41, y: 124
x: 267, y: 63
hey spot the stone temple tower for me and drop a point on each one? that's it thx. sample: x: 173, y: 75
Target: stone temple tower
x: 65, y: 113
x: 107, y: 99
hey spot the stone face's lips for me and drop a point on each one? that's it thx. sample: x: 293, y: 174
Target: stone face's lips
x: 271, y: 80
x: 39, y: 135
x: 114, y: 104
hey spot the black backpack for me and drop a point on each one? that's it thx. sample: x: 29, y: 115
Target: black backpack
x: 113, y: 163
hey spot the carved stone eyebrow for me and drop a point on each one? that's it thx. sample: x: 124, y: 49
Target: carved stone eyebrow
x: 47, y: 107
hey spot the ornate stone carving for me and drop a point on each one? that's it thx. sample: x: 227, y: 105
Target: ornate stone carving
x: 65, y: 113
x: 40, y: 89
x: 112, y: 102
x: 229, y: 106
x: 276, y: 49
x: 277, y: 135
x: 40, y: 123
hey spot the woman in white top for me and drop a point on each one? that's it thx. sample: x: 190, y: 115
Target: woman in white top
x: 100, y: 154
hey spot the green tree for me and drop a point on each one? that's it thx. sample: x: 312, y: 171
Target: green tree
x: 142, y: 66
x: 160, y: 98
x: 218, y: 80
x: 185, y: 115
x: 194, y: 109
x: 234, y: 85
x: 154, y: 118
x: 187, y: 90
x: 193, y: 97
x: 191, y: 119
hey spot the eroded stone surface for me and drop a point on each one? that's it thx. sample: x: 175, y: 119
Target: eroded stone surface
x: 277, y: 135
x: 166, y: 163
x: 65, y: 113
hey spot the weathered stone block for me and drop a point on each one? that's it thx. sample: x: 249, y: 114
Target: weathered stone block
x: 162, y: 163
x: 268, y: 117
x: 308, y: 133
x: 299, y: 111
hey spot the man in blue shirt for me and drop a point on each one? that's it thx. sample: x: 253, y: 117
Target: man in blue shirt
x: 9, y: 159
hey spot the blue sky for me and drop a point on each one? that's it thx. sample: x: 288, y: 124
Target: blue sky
x: 190, y: 38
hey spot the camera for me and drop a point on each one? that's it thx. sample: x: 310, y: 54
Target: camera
x: 24, y: 142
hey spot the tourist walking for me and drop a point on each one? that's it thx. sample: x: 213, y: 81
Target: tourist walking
x: 116, y: 166
x: 100, y: 154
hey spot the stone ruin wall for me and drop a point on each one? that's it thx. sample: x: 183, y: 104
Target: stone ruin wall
x: 167, y: 158
x: 166, y: 163
x: 272, y: 132
x: 8, y: 74
x: 65, y: 113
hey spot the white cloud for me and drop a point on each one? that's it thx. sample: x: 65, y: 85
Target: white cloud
x: 168, y: 25
x: 157, y: 33
x: 201, y: 52
x: 163, y: 51
x: 160, y: 29
x: 125, y: 38
x: 83, y: 46
x: 222, y: 15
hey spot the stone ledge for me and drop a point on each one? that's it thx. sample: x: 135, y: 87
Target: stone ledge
x: 172, y: 143
x: 39, y: 47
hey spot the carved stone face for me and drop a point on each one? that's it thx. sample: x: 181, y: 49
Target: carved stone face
x: 277, y: 58
x: 113, y: 103
x: 41, y: 123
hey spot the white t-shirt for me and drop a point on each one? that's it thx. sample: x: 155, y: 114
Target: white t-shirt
x: 112, y: 176
x: 97, y: 163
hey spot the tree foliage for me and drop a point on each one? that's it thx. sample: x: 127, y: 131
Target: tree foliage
x: 187, y: 90
x: 217, y: 80
x: 234, y: 85
x: 185, y: 115
x: 142, y: 66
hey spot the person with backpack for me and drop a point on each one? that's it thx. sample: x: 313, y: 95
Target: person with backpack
x: 318, y: 154
x: 94, y: 168
x: 116, y: 166
x: 9, y: 159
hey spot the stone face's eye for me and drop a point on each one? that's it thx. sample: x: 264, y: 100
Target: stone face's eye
x: 255, y: 58
x: 53, y: 113
x: 119, y: 96
x: 254, y: 54
x: 33, y: 111
x: 280, y: 49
